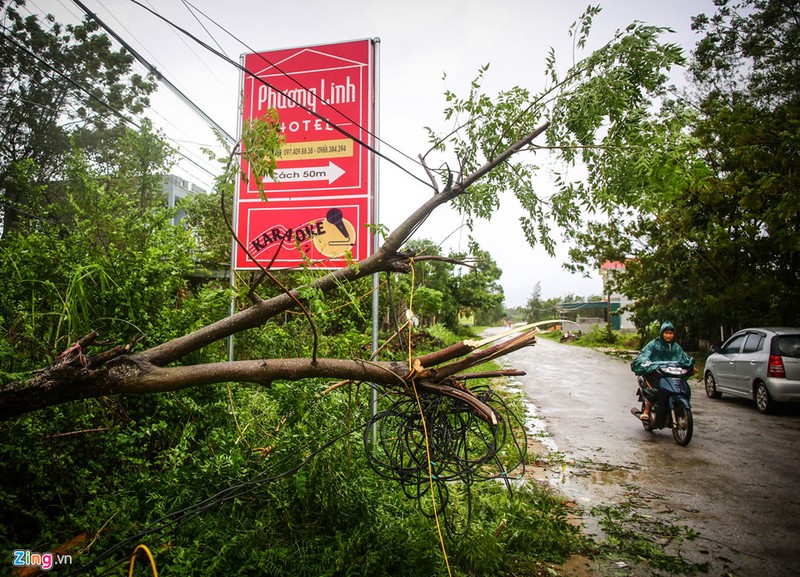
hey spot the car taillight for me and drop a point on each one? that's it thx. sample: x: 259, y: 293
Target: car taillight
x: 775, y: 367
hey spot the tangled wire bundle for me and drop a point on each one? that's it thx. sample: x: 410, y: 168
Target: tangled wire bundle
x: 463, y: 449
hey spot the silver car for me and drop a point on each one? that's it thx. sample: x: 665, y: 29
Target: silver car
x: 762, y: 364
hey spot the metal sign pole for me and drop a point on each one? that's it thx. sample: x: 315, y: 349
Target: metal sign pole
x: 376, y: 235
x: 235, y: 212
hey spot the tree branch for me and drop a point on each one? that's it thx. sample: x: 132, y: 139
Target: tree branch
x: 117, y: 372
x: 386, y: 259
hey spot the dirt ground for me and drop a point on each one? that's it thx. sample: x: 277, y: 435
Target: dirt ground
x: 542, y: 471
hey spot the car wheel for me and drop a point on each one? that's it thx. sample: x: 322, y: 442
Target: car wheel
x: 764, y: 402
x: 711, y: 387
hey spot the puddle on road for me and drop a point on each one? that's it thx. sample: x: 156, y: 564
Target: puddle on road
x: 588, y: 482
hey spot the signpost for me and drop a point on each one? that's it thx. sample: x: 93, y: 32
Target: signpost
x: 322, y: 199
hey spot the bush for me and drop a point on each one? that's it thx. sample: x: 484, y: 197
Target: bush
x: 600, y: 335
x: 295, y: 511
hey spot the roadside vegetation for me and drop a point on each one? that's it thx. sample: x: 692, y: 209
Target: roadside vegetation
x: 711, y: 243
x: 248, y: 467
x: 243, y: 481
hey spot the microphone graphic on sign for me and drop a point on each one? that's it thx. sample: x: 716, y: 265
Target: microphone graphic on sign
x: 334, y: 217
x: 338, y: 235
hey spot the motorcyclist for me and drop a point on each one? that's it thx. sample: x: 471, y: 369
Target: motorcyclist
x: 661, y: 348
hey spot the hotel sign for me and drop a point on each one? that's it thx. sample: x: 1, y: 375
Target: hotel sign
x: 321, y: 201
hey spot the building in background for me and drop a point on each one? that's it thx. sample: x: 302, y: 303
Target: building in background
x: 616, y: 300
x: 588, y: 314
x: 177, y: 188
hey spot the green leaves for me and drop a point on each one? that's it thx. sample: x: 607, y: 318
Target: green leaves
x: 43, y: 115
x: 712, y: 236
x: 261, y: 148
x: 581, y: 27
x: 603, y: 115
x: 600, y: 114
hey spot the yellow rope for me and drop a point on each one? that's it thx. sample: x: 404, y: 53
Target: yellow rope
x: 411, y: 317
x: 430, y: 479
x: 424, y: 426
x: 149, y: 556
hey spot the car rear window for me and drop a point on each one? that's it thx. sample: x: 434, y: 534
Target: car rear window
x: 789, y: 345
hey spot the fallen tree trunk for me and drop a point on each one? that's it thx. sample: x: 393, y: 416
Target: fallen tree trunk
x: 75, y: 379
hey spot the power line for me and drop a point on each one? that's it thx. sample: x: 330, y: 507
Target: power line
x: 67, y: 8
x: 298, y: 83
x: 153, y: 70
x: 288, y: 97
x: 186, y: 100
x: 126, y: 29
x: 181, y: 516
x: 165, y: 119
x: 203, y: 62
x: 82, y: 88
x: 7, y: 38
x: 189, y: 7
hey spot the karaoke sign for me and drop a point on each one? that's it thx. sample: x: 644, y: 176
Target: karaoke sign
x: 321, y: 200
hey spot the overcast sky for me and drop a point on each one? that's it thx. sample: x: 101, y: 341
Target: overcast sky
x: 420, y: 43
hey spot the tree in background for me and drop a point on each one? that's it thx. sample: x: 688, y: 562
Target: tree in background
x: 745, y: 72
x: 457, y: 283
x: 715, y: 242
x: 432, y: 271
x: 537, y: 309
x: 63, y: 87
x: 477, y: 287
x: 204, y: 217
x: 533, y: 308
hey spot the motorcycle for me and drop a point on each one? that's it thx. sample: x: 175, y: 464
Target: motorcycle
x: 671, y: 407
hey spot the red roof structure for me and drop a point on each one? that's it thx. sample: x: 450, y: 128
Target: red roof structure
x: 612, y: 265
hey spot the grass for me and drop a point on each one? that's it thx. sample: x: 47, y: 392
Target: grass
x: 635, y: 536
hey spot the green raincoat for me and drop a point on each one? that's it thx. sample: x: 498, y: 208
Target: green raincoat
x: 660, y: 350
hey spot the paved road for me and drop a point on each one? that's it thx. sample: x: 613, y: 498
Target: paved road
x: 737, y: 483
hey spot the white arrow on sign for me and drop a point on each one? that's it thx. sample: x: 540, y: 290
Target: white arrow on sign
x: 329, y: 173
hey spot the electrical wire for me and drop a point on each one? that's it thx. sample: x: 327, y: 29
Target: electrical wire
x: 189, y: 9
x: 179, y: 517
x: 299, y: 84
x: 313, y: 113
x: 431, y: 438
x: 182, y: 151
x: 186, y: 100
x: 425, y: 442
x: 463, y: 448
x: 430, y: 477
x: 428, y: 460
x: 8, y: 38
x: 153, y: 70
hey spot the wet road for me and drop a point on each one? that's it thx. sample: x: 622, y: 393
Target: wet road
x: 737, y: 483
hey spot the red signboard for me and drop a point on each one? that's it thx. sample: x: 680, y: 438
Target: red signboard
x: 321, y: 201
